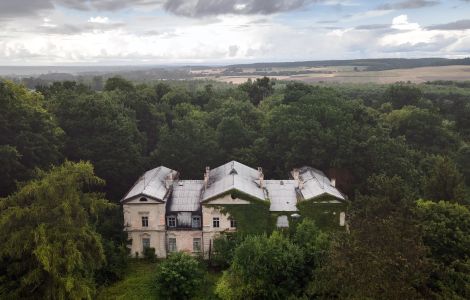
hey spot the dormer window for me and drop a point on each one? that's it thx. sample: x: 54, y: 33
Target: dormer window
x: 171, y: 221
x: 143, y: 199
x: 196, y: 222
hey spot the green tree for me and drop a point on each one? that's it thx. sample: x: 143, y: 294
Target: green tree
x: 446, y: 228
x: 50, y: 248
x: 383, y: 256
x: 402, y: 94
x: 29, y: 136
x: 119, y: 83
x: 99, y: 128
x: 179, y: 276
x: 263, y: 268
x: 258, y: 90
x: 444, y: 181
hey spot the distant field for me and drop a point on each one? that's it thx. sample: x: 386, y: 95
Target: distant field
x: 349, y: 75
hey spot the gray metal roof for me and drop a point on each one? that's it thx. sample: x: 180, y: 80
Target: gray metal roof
x: 233, y: 175
x: 282, y: 222
x: 282, y: 195
x: 317, y: 184
x: 186, y: 195
x: 151, y: 184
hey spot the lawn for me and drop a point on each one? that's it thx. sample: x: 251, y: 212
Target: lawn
x: 138, y: 284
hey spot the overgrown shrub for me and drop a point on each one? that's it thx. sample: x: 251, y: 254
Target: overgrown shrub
x: 149, y: 254
x: 179, y: 276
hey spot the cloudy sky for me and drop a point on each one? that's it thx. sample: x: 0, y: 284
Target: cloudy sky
x: 110, y: 32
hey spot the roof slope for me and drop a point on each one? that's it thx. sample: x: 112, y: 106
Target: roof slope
x: 233, y: 175
x: 186, y: 196
x: 151, y: 184
x: 282, y: 195
x: 315, y: 183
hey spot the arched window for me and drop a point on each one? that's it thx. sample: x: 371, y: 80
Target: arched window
x: 143, y: 199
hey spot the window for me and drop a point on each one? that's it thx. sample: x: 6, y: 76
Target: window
x: 143, y: 199
x: 171, y: 221
x: 145, y: 221
x: 145, y: 243
x: 172, y: 244
x: 215, y: 222
x: 196, y: 244
x: 196, y: 222
x: 233, y: 223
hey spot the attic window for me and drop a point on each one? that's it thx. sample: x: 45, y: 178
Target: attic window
x: 143, y: 199
x: 233, y: 172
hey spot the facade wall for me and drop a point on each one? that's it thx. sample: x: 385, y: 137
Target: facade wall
x: 208, y: 213
x: 133, y: 213
x: 184, y: 240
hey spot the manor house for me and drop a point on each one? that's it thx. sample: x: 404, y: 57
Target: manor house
x: 169, y: 214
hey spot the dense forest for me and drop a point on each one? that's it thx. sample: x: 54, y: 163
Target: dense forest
x: 400, y: 152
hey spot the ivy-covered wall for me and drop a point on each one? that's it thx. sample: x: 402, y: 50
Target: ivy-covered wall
x: 255, y: 218
x: 325, y: 215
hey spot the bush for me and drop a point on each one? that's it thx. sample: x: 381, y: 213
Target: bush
x: 179, y: 276
x: 149, y: 254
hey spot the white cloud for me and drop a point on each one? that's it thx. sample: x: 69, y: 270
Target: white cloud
x: 401, y: 23
x: 99, y: 20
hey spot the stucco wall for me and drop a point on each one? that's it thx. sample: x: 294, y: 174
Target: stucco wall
x: 184, y: 239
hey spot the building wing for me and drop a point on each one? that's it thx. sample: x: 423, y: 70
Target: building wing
x: 152, y: 184
x: 315, y: 183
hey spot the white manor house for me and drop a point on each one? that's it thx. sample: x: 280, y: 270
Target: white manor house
x: 169, y: 214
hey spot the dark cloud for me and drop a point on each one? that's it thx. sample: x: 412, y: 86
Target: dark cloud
x: 203, y: 8
x: 408, y: 4
x: 458, y: 25
x: 20, y: 8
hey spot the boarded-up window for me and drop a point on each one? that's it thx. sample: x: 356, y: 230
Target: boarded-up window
x: 196, y: 244
x: 145, y: 243
x: 172, y: 244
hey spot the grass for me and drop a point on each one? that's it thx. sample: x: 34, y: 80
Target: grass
x: 138, y: 283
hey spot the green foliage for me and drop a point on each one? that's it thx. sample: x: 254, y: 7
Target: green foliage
x: 178, y: 277
x: 402, y: 94
x: 444, y: 181
x: 100, y: 129
x: 258, y: 90
x: 119, y: 83
x: 326, y: 215
x: 224, y: 249
x: 29, y: 136
x: 50, y: 248
x: 149, y: 254
x: 446, y: 228
x: 382, y: 257
x: 263, y: 268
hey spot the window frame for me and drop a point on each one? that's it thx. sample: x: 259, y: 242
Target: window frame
x: 173, y: 221
x: 145, y: 221
x: 233, y: 223
x: 144, y: 243
x: 193, y: 224
x: 216, y: 220
x: 198, y: 242
x: 172, y: 244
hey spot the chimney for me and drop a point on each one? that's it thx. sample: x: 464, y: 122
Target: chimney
x: 169, y: 180
x: 206, y: 177
x: 296, y: 175
x: 261, y: 177
x: 333, y: 182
